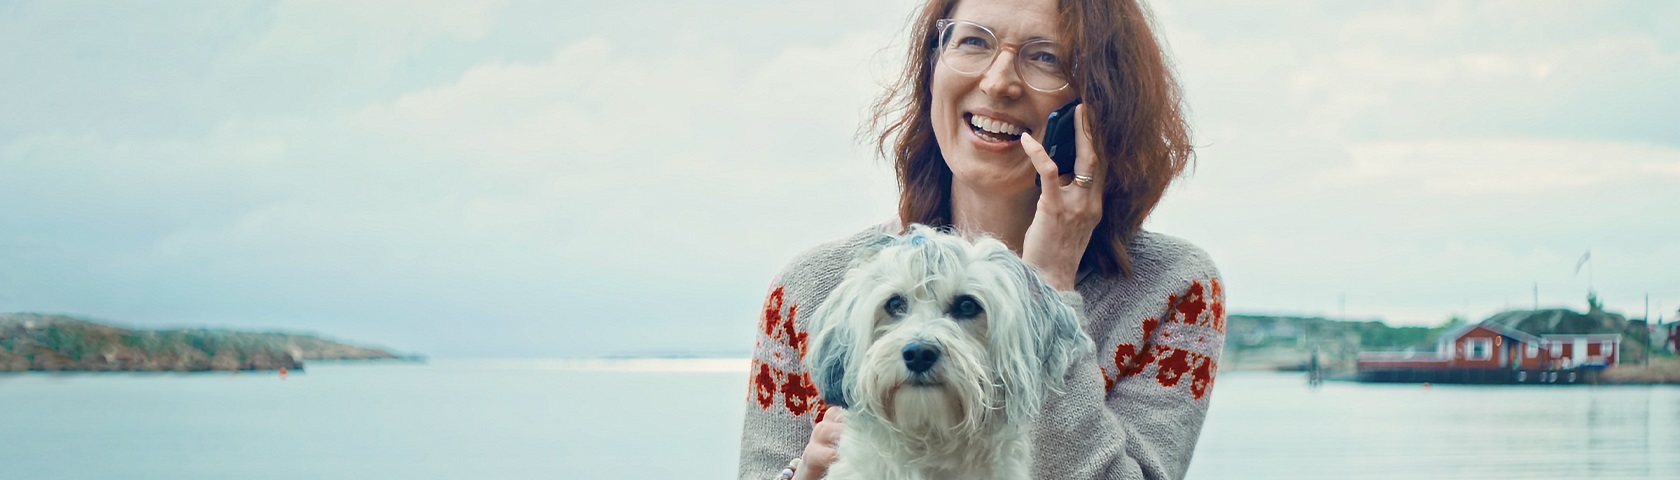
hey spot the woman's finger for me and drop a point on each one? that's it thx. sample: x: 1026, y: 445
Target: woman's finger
x: 1048, y: 177
x: 826, y: 435
x: 1085, y: 161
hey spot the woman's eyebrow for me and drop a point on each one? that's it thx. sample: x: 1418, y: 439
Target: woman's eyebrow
x: 995, y: 31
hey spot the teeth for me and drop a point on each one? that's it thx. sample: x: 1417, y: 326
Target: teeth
x: 994, y: 125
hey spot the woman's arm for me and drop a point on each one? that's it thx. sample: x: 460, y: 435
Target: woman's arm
x: 781, y: 401
x: 783, y: 406
x: 1135, y: 410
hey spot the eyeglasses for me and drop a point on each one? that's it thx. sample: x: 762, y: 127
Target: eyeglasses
x: 970, y: 48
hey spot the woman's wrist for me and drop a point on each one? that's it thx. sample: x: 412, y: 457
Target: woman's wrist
x: 1055, y: 250
x: 1059, y: 274
x: 1062, y: 281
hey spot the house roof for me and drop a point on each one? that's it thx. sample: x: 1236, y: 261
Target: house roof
x: 1489, y: 324
x: 1455, y: 332
x: 1554, y: 321
x: 1588, y: 336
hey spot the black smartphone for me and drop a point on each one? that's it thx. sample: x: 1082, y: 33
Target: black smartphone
x: 1058, y: 138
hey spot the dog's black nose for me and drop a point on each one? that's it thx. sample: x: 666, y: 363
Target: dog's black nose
x: 920, y: 357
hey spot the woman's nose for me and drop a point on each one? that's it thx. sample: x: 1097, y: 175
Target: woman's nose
x: 1000, y: 78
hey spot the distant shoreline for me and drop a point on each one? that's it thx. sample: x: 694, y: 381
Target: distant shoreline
x: 31, y: 342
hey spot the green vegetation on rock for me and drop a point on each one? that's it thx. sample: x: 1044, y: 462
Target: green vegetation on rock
x: 1257, y: 342
x: 34, y: 342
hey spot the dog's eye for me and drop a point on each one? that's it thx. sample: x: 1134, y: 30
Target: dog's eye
x: 895, y: 306
x: 965, y: 307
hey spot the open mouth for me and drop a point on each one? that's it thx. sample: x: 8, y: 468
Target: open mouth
x: 994, y: 130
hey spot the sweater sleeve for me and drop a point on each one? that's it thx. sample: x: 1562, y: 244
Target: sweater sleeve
x: 1134, y: 410
x: 782, y: 404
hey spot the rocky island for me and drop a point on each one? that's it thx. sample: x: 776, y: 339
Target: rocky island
x: 55, y: 343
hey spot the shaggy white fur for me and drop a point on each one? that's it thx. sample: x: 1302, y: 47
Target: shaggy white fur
x: 943, y: 350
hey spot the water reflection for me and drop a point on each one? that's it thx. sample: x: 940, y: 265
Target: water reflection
x: 1273, y: 426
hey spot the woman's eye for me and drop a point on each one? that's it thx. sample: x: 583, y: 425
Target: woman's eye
x: 1046, y: 59
x: 965, y: 307
x: 974, y: 42
x: 895, y: 306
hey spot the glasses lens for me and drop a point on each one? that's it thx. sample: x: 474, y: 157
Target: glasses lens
x: 967, y: 48
x: 1041, y: 65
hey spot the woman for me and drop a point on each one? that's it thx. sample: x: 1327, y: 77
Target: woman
x: 982, y: 77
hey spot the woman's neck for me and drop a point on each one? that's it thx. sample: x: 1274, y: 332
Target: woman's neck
x: 1002, y: 216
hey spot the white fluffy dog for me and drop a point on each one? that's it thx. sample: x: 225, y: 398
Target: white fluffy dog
x: 943, y: 351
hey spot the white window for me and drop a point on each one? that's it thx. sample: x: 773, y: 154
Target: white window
x: 1557, y: 349
x: 1533, y: 350
x: 1480, y: 349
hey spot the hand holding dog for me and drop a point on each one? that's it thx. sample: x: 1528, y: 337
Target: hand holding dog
x: 823, y: 449
x: 1067, y: 213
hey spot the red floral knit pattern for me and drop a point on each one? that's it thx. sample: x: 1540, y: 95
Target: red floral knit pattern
x: 1200, y: 305
x: 799, y: 396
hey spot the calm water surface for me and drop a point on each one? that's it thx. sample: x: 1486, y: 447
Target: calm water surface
x: 681, y: 419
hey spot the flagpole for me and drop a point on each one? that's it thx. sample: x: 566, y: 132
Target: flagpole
x: 1586, y: 259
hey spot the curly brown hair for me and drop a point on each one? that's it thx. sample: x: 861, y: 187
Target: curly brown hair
x: 1132, y: 101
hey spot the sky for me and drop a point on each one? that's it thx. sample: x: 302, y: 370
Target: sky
x: 538, y: 178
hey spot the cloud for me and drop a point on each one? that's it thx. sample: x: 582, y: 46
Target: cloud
x: 1427, y: 159
x: 533, y: 197
x: 405, y: 26
x: 1416, y: 230
x: 1439, y: 69
x: 1506, y: 168
x: 554, y: 179
x: 603, y: 140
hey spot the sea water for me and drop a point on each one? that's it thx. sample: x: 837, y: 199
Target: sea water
x: 637, y: 419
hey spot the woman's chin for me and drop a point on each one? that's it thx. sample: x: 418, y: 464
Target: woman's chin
x: 995, y: 182
x: 992, y: 171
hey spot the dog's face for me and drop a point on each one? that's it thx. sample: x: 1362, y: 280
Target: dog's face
x: 932, y: 332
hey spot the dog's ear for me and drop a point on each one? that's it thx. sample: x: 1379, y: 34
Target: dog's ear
x: 1063, y: 340
x: 871, y: 247
x: 831, y: 345
x: 1045, y: 340
x: 833, y: 337
x: 829, y: 373
x: 833, y: 333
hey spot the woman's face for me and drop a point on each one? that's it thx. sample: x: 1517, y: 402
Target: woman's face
x: 980, y: 160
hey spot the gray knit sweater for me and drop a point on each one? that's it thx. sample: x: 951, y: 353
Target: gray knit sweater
x: 1132, y: 411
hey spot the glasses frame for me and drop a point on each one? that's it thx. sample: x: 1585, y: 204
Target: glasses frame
x: 944, y: 25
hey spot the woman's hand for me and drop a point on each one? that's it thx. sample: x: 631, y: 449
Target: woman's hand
x: 822, y: 451
x: 1067, y: 212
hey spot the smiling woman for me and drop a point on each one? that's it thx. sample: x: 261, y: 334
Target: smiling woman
x: 962, y: 126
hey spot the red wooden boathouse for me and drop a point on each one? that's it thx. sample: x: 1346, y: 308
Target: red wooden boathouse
x: 1488, y: 352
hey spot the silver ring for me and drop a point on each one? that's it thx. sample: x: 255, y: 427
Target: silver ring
x: 1084, y: 181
